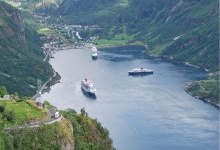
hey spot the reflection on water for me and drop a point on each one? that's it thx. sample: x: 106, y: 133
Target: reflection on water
x: 141, y: 112
x: 140, y: 75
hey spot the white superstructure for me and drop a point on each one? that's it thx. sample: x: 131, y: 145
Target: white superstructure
x: 137, y: 71
x: 94, y: 52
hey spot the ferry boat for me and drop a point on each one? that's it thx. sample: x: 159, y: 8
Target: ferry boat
x: 94, y: 53
x: 140, y: 71
x: 88, y: 87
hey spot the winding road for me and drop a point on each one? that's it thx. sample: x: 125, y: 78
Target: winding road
x: 51, y: 121
x: 38, y: 94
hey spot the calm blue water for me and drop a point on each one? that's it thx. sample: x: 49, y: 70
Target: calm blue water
x: 151, y: 112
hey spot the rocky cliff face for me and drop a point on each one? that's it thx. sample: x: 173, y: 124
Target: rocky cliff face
x: 18, y: 20
x: 9, y: 30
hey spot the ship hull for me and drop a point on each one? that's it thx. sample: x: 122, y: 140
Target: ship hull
x: 94, y: 57
x: 88, y: 94
x: 91, y: 93
x: 140, y: 73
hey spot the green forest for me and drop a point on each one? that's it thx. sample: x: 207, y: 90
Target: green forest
x: 21, y: 54
x: 74, y: 131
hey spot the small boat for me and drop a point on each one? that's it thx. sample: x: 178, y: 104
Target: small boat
x: 88, y: 87
x: 140, y: 71
x: 94, y: 53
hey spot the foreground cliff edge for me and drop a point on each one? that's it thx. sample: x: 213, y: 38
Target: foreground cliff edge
x: 25, y: 125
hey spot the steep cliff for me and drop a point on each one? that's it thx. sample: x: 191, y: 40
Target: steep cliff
x: 21, y: 55
x: 7, y: 28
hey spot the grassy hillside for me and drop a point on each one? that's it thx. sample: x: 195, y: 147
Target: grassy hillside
x: 54, y: 136
x: 18, y: 112
x: 74, y: 131
x: 21, y: 55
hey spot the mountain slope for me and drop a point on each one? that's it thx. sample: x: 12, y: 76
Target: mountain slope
x: 21, y: 55
x: 73, y: 131
x: 182, y: 30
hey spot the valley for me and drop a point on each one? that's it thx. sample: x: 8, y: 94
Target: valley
x: 50, y: 41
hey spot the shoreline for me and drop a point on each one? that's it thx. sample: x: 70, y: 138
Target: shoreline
x: 57, y: 77
x: 202, y: 99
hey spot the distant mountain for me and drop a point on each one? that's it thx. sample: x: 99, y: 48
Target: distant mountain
x: 40, y: 6
x: 181, y: 30
x: 20, y: 54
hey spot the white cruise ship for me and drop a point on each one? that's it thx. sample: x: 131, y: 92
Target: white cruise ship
x: 94, y: 52
x: 88, y: 87
x: 141, y: 71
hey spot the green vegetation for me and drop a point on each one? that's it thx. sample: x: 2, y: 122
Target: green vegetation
x: 104, y: 43
x: 21, y: 66
x: 45, y: 31
x: 186, y: 31
x: 3, y: 91
x: 75, y: 131
x: 21, y: 55
x: 88, y: 133
x: 19, y: 111
x: 193, y: 25
x: 55, y: 136
x: 206, y: 89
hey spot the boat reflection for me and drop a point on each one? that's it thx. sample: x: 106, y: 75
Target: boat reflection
x: 139, y: 75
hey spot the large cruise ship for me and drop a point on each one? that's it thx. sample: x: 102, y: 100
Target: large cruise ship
x: 94, y: 52
x: 88, y: 87
x: 140, y: 71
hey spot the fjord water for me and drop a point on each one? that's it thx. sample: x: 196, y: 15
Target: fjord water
x: 151, y: 112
